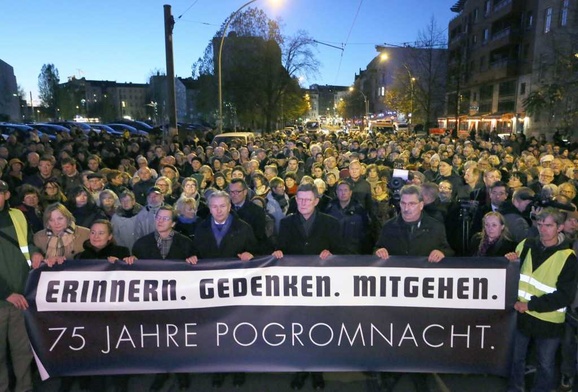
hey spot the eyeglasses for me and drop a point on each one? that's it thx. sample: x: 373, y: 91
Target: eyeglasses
x: 163, y: 218
x: 236, y: 192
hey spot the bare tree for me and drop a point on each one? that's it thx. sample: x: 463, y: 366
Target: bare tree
x: 428, y: 67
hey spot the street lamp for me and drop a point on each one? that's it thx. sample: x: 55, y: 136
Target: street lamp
x: 412, y: 80
x: 366, y: 102
x: 384, y: 57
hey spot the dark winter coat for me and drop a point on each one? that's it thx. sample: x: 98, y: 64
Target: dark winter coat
x: 146, y: 248
x: 91, y: 253
x: 324, y: 235
x: 429, y: 235
x: 239, y: 239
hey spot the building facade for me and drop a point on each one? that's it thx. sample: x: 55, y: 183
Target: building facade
x: 500, y: 56
x: 324, y: 103
x: 404, y: 83
x: 9, y: 99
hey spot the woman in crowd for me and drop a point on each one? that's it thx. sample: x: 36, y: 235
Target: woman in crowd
x: 221, y: 182
x: 191, y: 189
x: 108, y: 202
x: 260, y: 184
x: 372, y: 175
x: 123, y: 220
x: 217, y: 164
x: 14, y: 175
x: 100, y: 244
x: 166, y: 187
x: 61, y: 238
x: 517, y: 180
x: 317, y: 170
x: 172, y: 173
x: 83, y: 207
x: 290, y: 184
x: 494, y: 239
x: 31, y: 207
x: 187, y: 219
x: 207, y: 173
x: 381, y: 205
x: 52, y: 193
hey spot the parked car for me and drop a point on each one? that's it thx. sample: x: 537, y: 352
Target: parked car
x: 102, y: 127
x: 50, y: 129
x: 132, y: 130
x: 22, y: 131
x: 85, y: 128
x: 140, y: 125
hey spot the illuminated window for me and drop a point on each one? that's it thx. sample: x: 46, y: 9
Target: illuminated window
x: 547, y: 20
x: 564, y: 13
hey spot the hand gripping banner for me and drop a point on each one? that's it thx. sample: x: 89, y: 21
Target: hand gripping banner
x: 348, y: 313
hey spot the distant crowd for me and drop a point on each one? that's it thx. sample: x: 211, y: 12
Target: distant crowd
x: 123, y: 199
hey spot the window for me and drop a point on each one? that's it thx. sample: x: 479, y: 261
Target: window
x: 507, y: 88
x: 547, y: 20
x: 474, y: 39
x: 487, y: 7
x: 475, y: 15
x: 564, y: 13
x: 486, y: 35
x: 522, y: 88
x: 486, y: 92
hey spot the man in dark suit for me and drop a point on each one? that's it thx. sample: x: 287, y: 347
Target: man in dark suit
x: 224, y: 235
x: 165, y: 243
x: 308, y: 232
x: 249, y: 212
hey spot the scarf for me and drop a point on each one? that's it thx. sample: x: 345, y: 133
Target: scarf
x: 219, y: 231
x: 281, y: 199
x: 186, y: 220
x: 164, y: 244
x: 57, y: 244
x: 485, y: 245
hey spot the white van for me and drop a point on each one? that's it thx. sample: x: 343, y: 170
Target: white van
x: 242, y: 137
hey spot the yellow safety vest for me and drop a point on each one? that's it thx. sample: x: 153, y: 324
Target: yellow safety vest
x: 542, y: 281
x: 21, y: 226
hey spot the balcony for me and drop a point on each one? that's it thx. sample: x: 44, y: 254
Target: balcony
x: 497, y: 70
x: 504, y: 5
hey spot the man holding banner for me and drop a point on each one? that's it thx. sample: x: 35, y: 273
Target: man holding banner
x: 412, y: 233
x: 15, y: 262
x: 548, y: 276
x: 308, y: 232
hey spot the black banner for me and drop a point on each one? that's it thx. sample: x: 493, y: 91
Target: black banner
x: 349, y: 313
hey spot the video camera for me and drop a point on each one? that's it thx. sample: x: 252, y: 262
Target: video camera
x: 539, y: 202
x: 398, y: 180
x: 468, y: 207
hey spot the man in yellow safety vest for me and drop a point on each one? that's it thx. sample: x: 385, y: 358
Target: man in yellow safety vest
x: 548, y: 276
x: 15, y: 261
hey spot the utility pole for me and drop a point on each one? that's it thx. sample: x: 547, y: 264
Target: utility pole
x: 172, y: 98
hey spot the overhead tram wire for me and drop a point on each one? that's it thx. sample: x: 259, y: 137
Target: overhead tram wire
x: 191, y: 6
x: 347, y: 39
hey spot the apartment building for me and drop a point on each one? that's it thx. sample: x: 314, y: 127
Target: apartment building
x: 500, y: 53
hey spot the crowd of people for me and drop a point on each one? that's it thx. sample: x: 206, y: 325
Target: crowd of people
x: 101, y: 197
